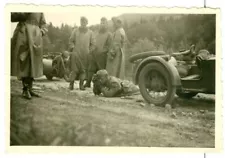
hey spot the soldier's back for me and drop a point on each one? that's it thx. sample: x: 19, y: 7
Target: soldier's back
x: 113, y: 82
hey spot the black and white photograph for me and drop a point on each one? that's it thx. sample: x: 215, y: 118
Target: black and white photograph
x: 114, y: 77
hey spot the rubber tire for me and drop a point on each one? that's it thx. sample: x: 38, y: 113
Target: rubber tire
x: 49, y: 77
x: 135, y: 57
x: 171, y: 89
x: 187, y: 95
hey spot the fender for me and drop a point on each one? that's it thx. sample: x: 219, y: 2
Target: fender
x: 170, y: 67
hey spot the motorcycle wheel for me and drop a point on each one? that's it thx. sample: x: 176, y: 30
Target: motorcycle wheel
x: 156, y: 74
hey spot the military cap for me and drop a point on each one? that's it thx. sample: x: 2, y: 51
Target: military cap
x: 116, y: 20
x: 104, y: 19
x: 102, y: 73
x: 83, y: 18
x: 65, y: 52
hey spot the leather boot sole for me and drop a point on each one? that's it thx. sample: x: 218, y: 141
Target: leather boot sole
x: 87, y: 85
x: 34, y: 94
x: 27, y: 96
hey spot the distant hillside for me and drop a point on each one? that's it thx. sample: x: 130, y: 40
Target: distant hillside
x: 137, y: 18
x: 130, y: 19
x: 147, y: 32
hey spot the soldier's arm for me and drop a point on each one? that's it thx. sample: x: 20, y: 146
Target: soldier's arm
x: 69, y: 63
x: 55, y: 60
x: 107, y: 43
x: 111, y: 92
x: 56, y: 64
x: 97, y: 89
x: 119, y: 45
x: 42, y: 25
x: 92, y: 42
x: 123, y: 37
x: 96, y: 85
x: 72, y: 40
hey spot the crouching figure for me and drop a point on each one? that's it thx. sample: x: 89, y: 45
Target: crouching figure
x: 110, y: 86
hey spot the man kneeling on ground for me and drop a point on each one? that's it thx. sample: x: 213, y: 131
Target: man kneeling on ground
x: 59, y: 64
x: 110, y: 86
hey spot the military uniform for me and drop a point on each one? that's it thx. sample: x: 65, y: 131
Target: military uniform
x: 114, y: 87
x: 82, y: 42
x: 27, y: 49
x: 99, y: 56
x: 97, y: 59
x: 116, y: 57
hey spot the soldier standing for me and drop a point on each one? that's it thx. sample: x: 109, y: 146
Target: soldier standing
x: 116, y: 60
x: 97, y: 59
x: 26, y: 49
x: 81, y: 43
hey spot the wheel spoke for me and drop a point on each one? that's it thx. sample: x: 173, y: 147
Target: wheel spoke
x: 156, y: 85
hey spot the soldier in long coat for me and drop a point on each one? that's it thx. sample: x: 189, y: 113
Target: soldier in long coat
x: 97, y: 59
x: 81, y: 42
x: 116, y: 58
x: 26, y: 49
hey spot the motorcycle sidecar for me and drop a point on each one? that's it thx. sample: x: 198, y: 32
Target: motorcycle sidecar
x: 159, y: 80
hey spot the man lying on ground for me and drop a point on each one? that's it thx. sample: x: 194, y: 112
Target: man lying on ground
x: 110, y: 86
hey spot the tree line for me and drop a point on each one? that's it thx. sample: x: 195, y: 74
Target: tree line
x: 149, y: 32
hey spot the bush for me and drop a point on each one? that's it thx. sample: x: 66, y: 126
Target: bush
x: 142, y: 45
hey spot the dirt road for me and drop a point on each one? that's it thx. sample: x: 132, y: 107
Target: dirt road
x: 63, y: 117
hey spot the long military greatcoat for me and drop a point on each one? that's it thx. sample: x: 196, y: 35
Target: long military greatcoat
x: 26, y: 45
x: 81, y: 42
x: 99, y: 57
x: 116, y: 61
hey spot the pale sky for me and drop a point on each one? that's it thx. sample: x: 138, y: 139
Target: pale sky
x: 73, y: 17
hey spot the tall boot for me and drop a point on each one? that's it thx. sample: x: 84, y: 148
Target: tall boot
x: 71, y: 86
x: 89, y: 79
x: 30, y: 88
x: 72, y: 77
x: 26, y: 94
x: 81, y: 84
